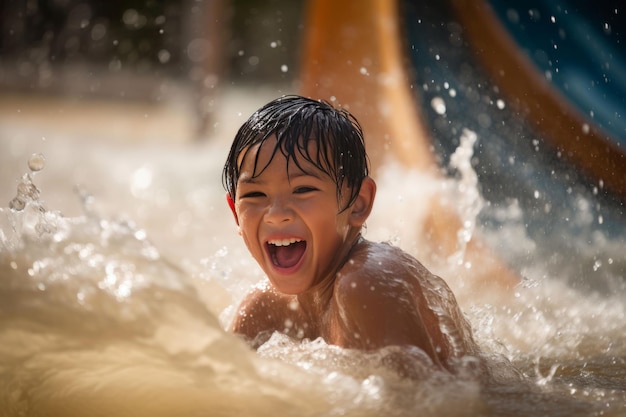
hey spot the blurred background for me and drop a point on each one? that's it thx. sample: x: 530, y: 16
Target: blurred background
x: 160, y: 54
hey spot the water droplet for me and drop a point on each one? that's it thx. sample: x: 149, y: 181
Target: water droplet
x: 513, y: 16
x: 284, y: 68
x: 164, y: 56
x: 17, y: 204
x: 597, y: 265
x: 36, y: 162
x: 585, y: 128
x: 438, y: 105
x: 98, y: 31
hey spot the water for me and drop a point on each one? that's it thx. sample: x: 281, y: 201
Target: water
x: 120, y: 266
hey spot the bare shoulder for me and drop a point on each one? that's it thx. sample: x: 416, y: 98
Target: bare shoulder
x: 384, y: 296
x: 378, y: 273
x: 380, y: 264
x: 377, y: 299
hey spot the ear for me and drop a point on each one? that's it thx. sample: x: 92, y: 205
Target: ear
x: 231, y: 204
x: 362, y: 206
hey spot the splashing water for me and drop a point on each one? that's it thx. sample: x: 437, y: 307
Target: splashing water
x: 94, y: 318
x: 469, y: 201
x: 121, y: 307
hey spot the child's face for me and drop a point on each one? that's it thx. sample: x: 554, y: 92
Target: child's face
x: 291, y: 220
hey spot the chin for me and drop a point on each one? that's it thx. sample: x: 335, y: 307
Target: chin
x: 289, y: 288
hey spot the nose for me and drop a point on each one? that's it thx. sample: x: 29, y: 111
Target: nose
x: 279, y: 211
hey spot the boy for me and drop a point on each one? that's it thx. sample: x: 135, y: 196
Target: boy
x: 297, y: 183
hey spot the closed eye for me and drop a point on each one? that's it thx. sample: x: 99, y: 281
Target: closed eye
x: 304, y: 190
x: 253, y: 194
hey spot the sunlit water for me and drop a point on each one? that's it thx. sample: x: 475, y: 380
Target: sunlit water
x: 120, y: 267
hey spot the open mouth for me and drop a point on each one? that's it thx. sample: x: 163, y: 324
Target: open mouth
x: 286, y: 253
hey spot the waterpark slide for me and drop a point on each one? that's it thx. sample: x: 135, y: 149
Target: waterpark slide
x: 417, y: 73
x: 563, y: 70
x: 365, y: 72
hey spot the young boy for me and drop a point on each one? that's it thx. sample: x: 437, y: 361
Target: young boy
x: 297, y: 183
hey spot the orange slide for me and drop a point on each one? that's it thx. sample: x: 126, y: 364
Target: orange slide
x: 352, y: 56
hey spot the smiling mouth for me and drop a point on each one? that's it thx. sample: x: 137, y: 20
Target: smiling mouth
x: 286, y: 253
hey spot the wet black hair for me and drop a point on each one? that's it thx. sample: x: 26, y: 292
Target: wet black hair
x: 295, y: 120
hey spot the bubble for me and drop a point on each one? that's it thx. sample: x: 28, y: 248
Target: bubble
x: 36, y: 162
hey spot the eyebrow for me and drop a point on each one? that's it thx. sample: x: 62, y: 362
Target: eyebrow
x: 249, y: 180
x: 244, y: 179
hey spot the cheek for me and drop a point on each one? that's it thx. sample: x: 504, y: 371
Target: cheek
x: 331, y: 228
x: 248, y: 227
x: 342, y: 221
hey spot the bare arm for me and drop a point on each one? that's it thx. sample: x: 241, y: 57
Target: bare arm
x: 262, y: 312
x: 255, y: 315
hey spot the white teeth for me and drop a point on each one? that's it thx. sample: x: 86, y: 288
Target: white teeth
x: 284, y: 242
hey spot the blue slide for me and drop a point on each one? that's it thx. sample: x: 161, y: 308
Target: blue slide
x: 543, y: 84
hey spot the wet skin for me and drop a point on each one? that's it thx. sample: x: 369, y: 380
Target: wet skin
x: 324, y: 279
